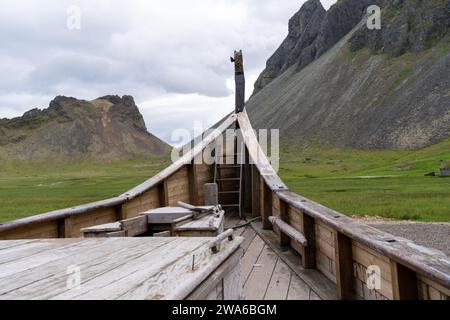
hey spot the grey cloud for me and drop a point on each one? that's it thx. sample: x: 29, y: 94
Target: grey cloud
x: 148, y: 49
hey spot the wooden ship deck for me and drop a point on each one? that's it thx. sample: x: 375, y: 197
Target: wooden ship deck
x: 284, y: 246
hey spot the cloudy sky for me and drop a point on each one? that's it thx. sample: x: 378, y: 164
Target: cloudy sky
x: 171, y: 55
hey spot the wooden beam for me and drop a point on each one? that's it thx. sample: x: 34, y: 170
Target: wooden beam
x: 309, y: 252
x: 288, y: 232
x: 404, y: 282
x: 193, y: 184
x: 284, y: 238
x: 163, y: 194
x: 344, y: 266
x: 256, y: 191
x: 266, y: 204
x: 135, y: 226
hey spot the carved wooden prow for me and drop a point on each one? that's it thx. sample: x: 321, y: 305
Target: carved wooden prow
x: 240, y: 80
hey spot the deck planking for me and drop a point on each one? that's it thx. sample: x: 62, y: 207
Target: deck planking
x: 269, y: 273
x: 118, y: 268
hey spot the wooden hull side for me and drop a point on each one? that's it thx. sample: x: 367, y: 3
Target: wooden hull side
x: 343, y: 249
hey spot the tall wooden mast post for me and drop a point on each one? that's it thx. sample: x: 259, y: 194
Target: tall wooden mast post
x: 240, y: 80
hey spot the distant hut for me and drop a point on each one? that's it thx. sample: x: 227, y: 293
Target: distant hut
x: 445, y: 168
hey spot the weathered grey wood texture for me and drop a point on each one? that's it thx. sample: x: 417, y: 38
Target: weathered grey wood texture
x: 126, y: 268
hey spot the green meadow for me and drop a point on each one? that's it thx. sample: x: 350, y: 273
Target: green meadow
x: 389, y: 184
x: 26, y: 190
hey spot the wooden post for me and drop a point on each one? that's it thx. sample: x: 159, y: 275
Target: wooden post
x: 266, y: 204
x: 211, y: 194
x: 119, y: 212
x: 284, y: 239
x: 240, y: 80
x: 68, y: 227
x: 193, y: 184
x: 61, y: 228
x: 309, y: 252
x: 256, y: 187
x: 247, y: 183
x: 404, y: 282
x: 344, y: 266
x: 163, y: 194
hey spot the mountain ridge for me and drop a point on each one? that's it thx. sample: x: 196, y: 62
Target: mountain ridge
x: 109, y: 127
x: 368, y: 96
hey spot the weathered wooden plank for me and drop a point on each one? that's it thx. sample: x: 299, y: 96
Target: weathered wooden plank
x: 368, y: 257
x: 229, y: 273
x: 384, y: 292
x: 309, y: 251
x: 256, y: 187
x: 266, y: 205
x: 163, y: 194
x: 135, y: 226
x: 92, y: 261
x: 249, y: 235
x: 288, y: 231
x: 404, y: 282
x: 429, y: 283
x: 251, y: 256
x: 256, y: 285
x: 193, y: 184
x: 116, y: 282
x: 211, y: 194
x: 29, y: 249
x: 108, y: 227
x: 175, y: 275
x: 298, y: 289
x: 38, y: 274
x: 279, y: 283
x: 344, y: 266
x: 284, y: 217
x: 54, y: 251
x: 325, y: 288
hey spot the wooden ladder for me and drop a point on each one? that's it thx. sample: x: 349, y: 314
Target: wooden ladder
x: 228, y: 178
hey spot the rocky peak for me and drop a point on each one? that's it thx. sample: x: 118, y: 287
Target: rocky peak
x: 407, y: 26
x: 110, y: 127
x: 312, y: 31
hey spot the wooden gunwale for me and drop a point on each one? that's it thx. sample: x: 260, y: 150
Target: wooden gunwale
x: 131, y: 194
x: 431, y: 263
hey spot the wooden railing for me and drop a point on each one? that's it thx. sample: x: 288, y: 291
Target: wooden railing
x: 338, y: 246
x: 344, y: 249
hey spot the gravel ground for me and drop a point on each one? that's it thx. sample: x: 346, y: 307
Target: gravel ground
x: 431, y: 235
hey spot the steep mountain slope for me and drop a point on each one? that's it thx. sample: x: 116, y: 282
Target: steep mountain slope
x: 373, y: 89
x: 108, y: 128
x: 312, y: 31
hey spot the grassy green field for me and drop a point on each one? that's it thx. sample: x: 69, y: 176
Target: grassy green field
x: 27, y: 190
x: 374, y: 183
x: 388, y: 184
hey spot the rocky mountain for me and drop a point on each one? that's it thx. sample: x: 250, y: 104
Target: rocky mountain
x: 108, y: 128
x: 333, y: 80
